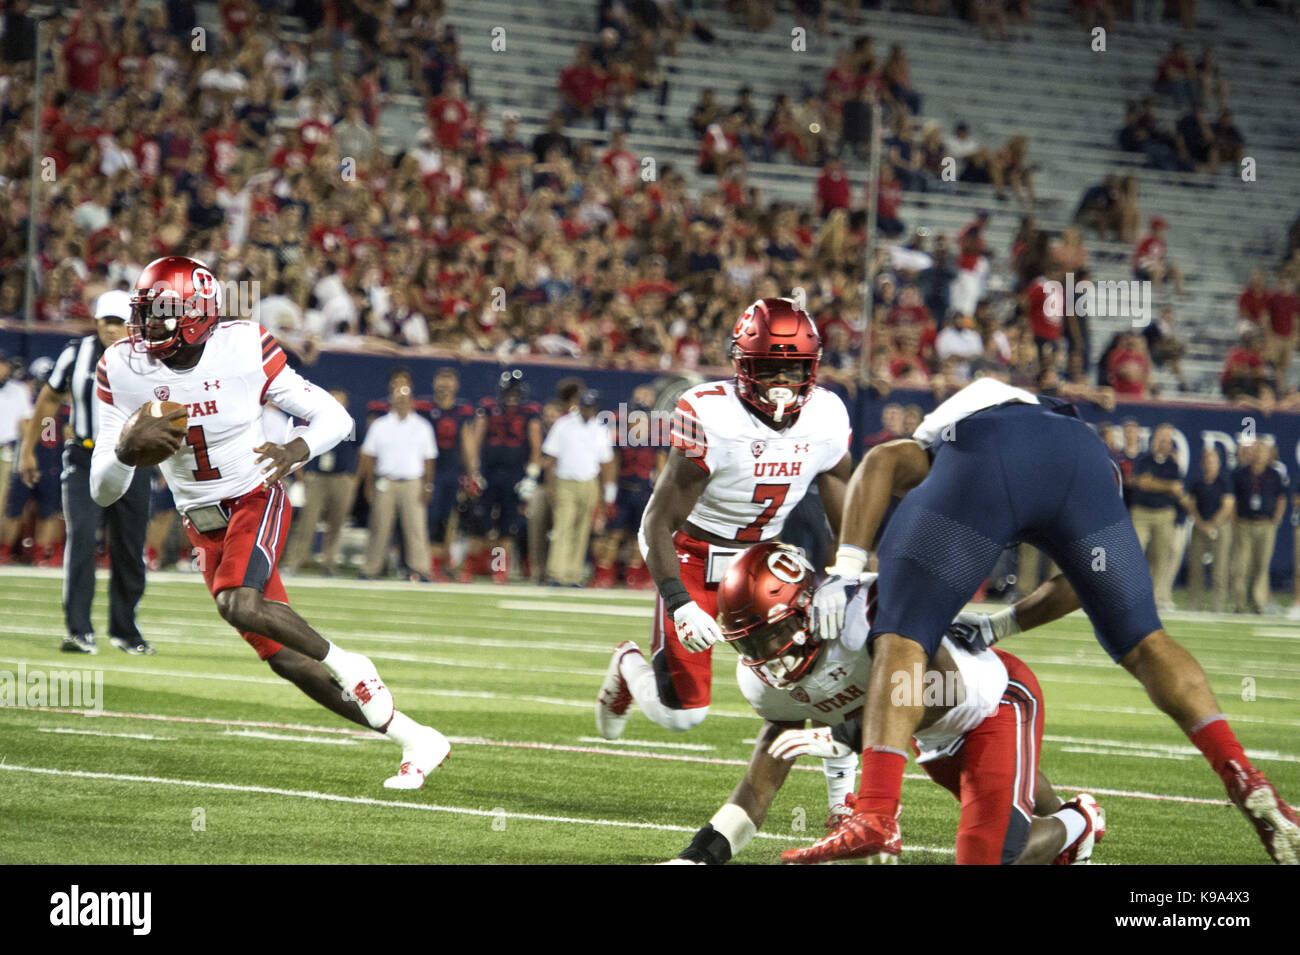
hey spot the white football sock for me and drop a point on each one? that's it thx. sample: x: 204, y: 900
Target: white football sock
x: 335, y: 659
x: 1075, y: 822
x: 403, y: 730
x: 640, y: 676
x: 840, y: 772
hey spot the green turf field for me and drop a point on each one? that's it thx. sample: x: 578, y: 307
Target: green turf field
x: 201, y: 755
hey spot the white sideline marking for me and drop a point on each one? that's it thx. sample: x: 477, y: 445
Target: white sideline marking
x: 281, y: 737
x: 505, y: 744
x: 1111, y: 751
x: 68, y: 732
x: 610, y: 610
x: 395, y: 804
x: 1169, y: 748
x: 1140, y: 711
x: 653, y: 744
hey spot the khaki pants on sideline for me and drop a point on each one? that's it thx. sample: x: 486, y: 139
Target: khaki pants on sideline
x: 571, y: 513
x: 1219, y: 551
x: 7, y: 465
x: 1027, y: 558
x: 1155, y: 531
x: 329, y: 497
x: 401, y: 500
x: 538, y: 515
x: 1252, y: 551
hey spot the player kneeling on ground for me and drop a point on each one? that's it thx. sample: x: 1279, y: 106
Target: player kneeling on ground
x: 227, y: 481
x: 972, y: 741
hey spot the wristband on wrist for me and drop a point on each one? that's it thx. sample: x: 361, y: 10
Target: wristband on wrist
x: 674, y: 594
x: 611, y: 492
x: 735, y: 825
x: 1004, y: 623
x: 850, y: 561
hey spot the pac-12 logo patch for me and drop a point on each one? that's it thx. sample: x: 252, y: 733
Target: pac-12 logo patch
x: 162, y: 392
x: 758, y: 447
x: 800, y: 694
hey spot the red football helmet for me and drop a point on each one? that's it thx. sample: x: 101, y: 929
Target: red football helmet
x: 774, y: 333
x: 763, y: 603
x: 176, y: 302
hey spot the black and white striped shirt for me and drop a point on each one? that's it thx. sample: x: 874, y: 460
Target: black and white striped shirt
x: 74, y: 374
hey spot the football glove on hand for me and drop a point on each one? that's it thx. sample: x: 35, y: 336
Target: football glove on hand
x: 974, y: 631
x: 526, y: 489
x: 828, y: 604
x: 695, y: 629
x: 814, y: 742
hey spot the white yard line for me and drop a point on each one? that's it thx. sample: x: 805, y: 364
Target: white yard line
x: 283, y: 738
x: 649, y: 743
x: 399, y: 804
x: 602, y: 751
x: 1268, y: 755
x: 69, y: 732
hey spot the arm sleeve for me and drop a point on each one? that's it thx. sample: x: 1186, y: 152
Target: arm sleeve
x: 61, y: 375
x: 686, y: 433
x: 328, y: 422
x: 109, y: 477
x: 431, y: 448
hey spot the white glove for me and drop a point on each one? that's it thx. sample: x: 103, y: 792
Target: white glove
x: 695, y: 629
x: 814, y: 742
x: 970, y: 629
x: 828, y: 604
x: 831, y: 598
x: 526, y: 489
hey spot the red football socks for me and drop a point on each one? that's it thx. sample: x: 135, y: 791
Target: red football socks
x: 1219, y: 745
x: 882, y: 781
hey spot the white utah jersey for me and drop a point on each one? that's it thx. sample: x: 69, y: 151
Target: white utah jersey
x: 756, y: 474
x: 837, y: 686
x: 242, y: 369
x: 978, y: 395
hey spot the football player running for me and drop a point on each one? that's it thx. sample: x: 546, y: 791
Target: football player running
x: 980, y: 736
x: 990, y: 466
x: 227, y: 483
x: 743, y: 453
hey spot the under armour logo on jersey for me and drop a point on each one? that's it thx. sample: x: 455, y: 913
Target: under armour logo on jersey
x: 162, y: 392
x: 801, y: 449
x: 838, y: 672
x: 214, y: 385
x: 758, y: 447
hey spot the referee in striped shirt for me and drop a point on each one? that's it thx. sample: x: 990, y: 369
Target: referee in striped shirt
x: 73, y: 379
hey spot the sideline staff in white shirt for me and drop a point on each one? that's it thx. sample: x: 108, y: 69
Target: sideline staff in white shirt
x: 576, y: 451
x: 396, y: 471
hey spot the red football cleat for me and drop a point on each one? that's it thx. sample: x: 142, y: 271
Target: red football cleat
x: 638, y: 578
x: 438, y: 571
x: 863, y: 835
x: 604, y: 578
x: 1275, y: 822
x: 839, y: 815
x: 1079, y: 852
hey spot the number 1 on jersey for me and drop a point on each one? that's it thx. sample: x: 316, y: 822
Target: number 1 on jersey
x: 205, y: 471
x: 774, y: 496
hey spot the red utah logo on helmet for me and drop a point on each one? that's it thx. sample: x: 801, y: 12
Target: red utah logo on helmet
x: 176, y: 303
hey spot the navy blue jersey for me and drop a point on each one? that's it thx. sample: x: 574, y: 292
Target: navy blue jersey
x: 1257, y: 494
x: 448, y: 424
x: 1166, y: 470
x: 505, y: 441
x: 1209, y: 496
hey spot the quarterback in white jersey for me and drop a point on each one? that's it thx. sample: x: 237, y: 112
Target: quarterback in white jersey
x: 226, y: 478
x: 980, y: 736
x: 744, y: 453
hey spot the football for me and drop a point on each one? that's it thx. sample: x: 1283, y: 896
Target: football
x: 156, y: 409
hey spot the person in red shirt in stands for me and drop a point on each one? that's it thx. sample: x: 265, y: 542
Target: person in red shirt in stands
x: 1130, y: 367
x: 909, y: 309
x: 1245, y: 371
x: 83, y: 57
x: 1045, y: 310
x: 889, y: 198
x: 1252, y: 303
x: 582, y: 85
x: 622, y: 163
x: 1151, y: 259
x: 1284, y: 324
x: 449, y: 115
x: 832, y: 189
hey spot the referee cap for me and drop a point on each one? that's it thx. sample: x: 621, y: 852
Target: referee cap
x: 115, y: 304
